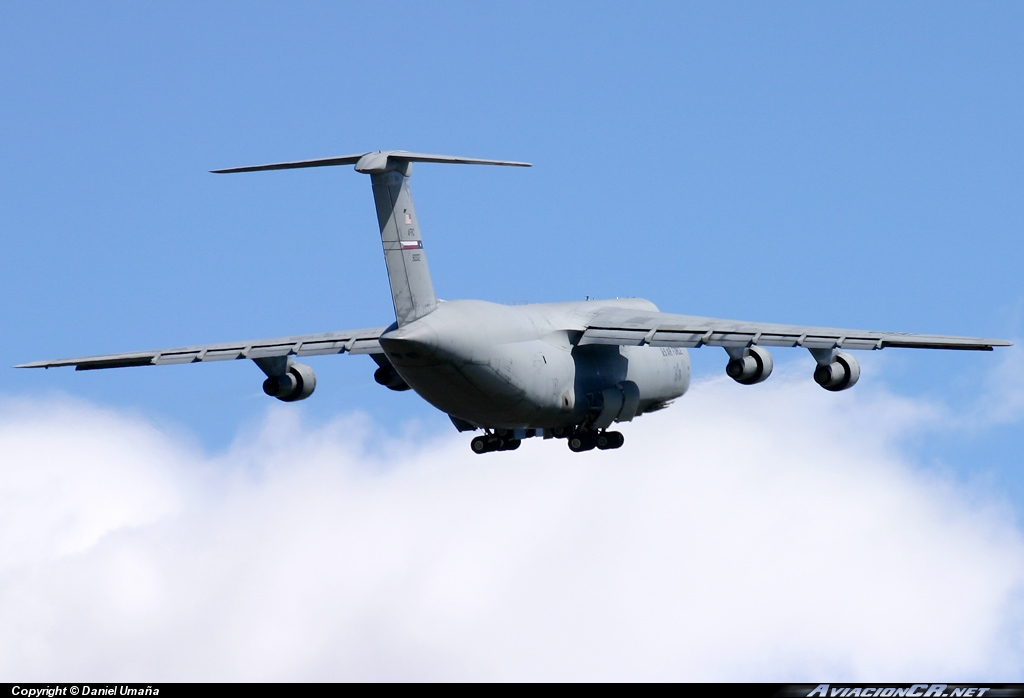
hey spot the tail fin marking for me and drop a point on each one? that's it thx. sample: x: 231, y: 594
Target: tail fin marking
x: 411, y: 288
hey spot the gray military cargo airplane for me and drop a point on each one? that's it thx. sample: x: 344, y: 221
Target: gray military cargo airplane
x: 562, y: 370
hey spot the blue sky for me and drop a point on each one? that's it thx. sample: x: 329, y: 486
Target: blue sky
x: 839, y: 164
x: 847, y: 165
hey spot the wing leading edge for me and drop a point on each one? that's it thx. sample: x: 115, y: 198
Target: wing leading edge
x: 362, y: 341
x: 631, y: 327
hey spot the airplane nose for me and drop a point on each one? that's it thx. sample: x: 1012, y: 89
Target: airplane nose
x: 413, y: 341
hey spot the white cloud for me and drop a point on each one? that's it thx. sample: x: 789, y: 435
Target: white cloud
x: 1003, y: 399
x: 767, y: 533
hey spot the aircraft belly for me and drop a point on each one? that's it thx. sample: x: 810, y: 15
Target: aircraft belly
x: 450, y: 388
x: 522, y: 384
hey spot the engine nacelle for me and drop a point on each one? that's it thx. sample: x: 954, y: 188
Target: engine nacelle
x: 755, y: 366
x: 389, y: 378
x: 842, y: 373
x: 297, y: 383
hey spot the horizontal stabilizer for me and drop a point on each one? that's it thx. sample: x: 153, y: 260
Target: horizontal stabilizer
x: 373, y: 163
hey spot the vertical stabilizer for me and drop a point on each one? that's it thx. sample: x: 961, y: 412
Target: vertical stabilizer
x: 411, y: 288
x: 389, y: 170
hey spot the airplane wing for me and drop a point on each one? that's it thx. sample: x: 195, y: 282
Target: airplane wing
x: 353, y: 341
x: 637, y: 327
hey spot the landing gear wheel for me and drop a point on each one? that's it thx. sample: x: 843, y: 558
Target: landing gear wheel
x: 609, y: 440
x: 490, y: 442
x: 479, y: 444
x: 581, y: 442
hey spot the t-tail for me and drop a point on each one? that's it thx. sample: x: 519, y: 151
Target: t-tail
x: 411, y: 288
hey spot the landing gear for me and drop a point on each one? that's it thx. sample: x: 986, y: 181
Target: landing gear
x: 481, y: 444
x: 610, y: 439
x: 490, y: 442
x: 580, y: 441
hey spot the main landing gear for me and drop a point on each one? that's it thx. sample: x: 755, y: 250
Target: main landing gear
x: 493, y: 442
x: 580, y: 441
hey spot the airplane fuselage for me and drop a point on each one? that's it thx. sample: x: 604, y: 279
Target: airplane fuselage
x: 509, y: 367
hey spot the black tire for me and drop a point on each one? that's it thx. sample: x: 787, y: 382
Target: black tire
x: 581, y: 442
x: 479, y: 445
x: 511, y: 445
x: 609, y: 440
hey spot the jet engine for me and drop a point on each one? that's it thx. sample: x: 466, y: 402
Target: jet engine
x: 389, y: 378
x: 297, y: 383
x: 842, y: 373
x: 753, y: 367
